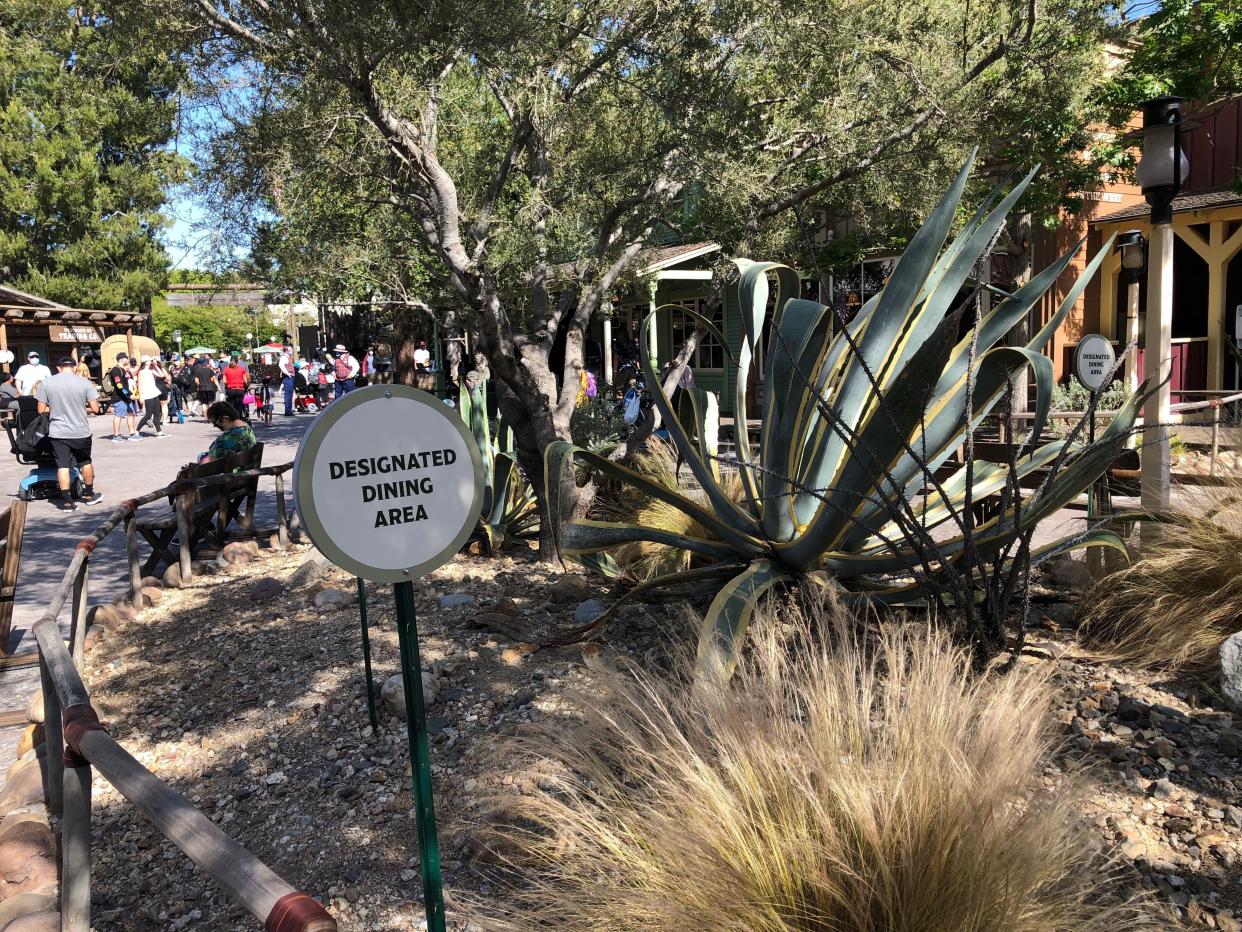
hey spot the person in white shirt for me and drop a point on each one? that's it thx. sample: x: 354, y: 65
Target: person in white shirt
x: 149, y: 392
x: 31, y: 374
x: 422, y: 358
x: 287, y: 374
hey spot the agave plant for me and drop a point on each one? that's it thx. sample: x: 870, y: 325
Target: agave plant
x: 509, y: 507
x: 847, y: 483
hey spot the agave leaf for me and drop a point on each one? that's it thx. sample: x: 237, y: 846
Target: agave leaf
x: 590, y: 536
x: 727, y: 510
x: 700, y: 410
x: 559, y: 453
x: 728, y: 617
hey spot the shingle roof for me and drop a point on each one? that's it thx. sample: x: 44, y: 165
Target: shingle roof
x: 1198, y: 200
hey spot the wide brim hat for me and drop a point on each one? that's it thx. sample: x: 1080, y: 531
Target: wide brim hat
x: 339, y: 349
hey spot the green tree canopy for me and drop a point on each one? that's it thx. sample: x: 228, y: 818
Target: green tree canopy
x: 87, y: 112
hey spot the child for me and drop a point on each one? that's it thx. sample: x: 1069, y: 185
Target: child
x: 266, y: 408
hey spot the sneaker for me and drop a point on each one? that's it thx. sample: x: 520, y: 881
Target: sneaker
x: 135, y: 436
x: 67, y: 504
x: 90, y: 498
x: 118, y: 438
x: 160, y: 433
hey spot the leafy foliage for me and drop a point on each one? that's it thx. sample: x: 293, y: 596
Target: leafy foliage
x: 509, y: 511
x: 87, y: 114
x: 225, y: 328
x: 856, y: 425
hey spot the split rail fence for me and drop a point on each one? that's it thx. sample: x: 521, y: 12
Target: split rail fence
x: 78, y: 744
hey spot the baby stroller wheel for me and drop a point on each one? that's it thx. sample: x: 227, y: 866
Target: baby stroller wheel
x: 312, y: 407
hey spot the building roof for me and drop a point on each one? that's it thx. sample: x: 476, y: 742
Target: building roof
x: 18, y: 305
x: 661, y: 257
x: 1197, y: 200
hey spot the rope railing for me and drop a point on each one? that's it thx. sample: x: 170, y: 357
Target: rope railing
x: 76, y: 741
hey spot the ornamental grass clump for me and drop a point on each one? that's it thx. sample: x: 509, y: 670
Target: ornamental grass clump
x: 1174, y: 606
x: 854, y: 482
x: 826, y: 787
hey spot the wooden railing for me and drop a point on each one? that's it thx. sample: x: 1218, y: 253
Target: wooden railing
x: 76, y: 742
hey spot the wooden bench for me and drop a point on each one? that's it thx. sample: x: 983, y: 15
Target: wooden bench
x: 12, y: 529
x: 203, y: 513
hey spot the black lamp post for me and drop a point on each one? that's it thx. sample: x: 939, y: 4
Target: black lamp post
x: 1163, y: 166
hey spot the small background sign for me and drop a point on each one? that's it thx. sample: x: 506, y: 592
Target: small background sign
x: 1094, y: 360
x: 389, y: 483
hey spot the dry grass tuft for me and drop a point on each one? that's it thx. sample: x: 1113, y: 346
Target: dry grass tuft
x: 1173, y: 607
x: 646, y: 560
x: 824, y: 788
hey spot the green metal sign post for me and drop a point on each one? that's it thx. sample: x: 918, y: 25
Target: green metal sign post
x: 420, y: 757
x: 389, y: 486
x: 366, y: 650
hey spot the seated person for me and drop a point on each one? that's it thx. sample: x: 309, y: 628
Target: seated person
x: 235, y: 433
x: 8, y: 392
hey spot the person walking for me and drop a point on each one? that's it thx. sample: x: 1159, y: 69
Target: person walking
x: 205, y: 384
x: 287, y: 374
x: 124, y: 405
x: 31, y: 374
x: 65, y: 397
x: 149, y: 392
x: 236, y: 378
x: 346, y: 368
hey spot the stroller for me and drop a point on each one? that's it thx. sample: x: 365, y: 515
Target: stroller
x: 306, y: 399
x: 41, y: 482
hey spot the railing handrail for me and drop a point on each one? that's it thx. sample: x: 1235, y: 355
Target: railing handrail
x: 72, y: 726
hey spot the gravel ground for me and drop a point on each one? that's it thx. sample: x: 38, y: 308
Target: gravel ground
x: 251, y: 702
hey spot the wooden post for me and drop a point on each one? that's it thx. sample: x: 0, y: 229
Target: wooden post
x: 182, y: 504
x: 131, y: 549
x: 282, y: 521
x: 1215, y: 437
x: 14, y: 524
x: 1157, y: 362
x: 77, y: 630
x: 75, y: 848
x: 53, y: 740
x: 129, y: 341
x: 4, y: 342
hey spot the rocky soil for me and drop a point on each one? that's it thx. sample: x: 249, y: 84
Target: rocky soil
x: 245, y: 691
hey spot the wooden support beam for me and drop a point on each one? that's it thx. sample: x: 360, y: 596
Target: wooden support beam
x: 75, y: 850
x: 1216, y: 306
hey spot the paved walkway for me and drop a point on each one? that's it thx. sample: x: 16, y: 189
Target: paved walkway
x: 122, y: 470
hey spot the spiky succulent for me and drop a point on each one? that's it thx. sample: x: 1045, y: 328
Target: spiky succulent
x: 509, y: 507
x: 857, y: 422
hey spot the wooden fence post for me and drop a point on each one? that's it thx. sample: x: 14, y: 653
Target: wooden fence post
x: 185, y: 543
x: 53, y: 740
x: 1215, y: 437
x: 131, y: 549
x: 77, y: 630
x: 75, y: 847
x: 14, y: 522
x: 282, y: 521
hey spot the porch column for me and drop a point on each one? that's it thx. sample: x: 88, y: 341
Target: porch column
x: 4, y: 342
x: 608, y: 344
x: 653, y: 338
x: 1216, y: 306
x: 1157, y: 365
x: 1109, y: 270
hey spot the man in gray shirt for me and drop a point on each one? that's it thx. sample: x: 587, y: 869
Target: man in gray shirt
x: 65, y: 397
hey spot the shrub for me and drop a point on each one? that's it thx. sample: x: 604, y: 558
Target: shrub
x: 1173, y: 607
x: 824, y: 788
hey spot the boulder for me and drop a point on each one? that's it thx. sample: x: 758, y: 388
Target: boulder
x: 21, y: 820
x: 569, y: 588
x: 204, y: 568
x: 44, y: 921
x: 25, y: 904
x: 455, y: 600
x: 1231, y: 671
x: 393, y: 693
x: 314, y: 569
x: 239, y: 551
x: 151, y: 596
x: 25, y: 788
x: 27, y: 860
x: 588, y: 611
x: 34, y: 707
x: 1069, y: 573
x: 153, y: 581
x: 123, y: 607
x: 334, y: 599
x: 94, y: 635
x: 32, y: 755
x: 265, y: 588
x: 172, y: 577
x: 31, y: 738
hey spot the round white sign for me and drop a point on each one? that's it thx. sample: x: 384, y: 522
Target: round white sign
x: 389, y: 483
x: 1094, y: 360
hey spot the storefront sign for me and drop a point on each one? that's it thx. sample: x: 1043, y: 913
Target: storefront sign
x: 1093, y: 361
x: 389, y: 483
x: 74, y: 333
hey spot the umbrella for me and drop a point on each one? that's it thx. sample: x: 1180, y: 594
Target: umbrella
x: 199, y: 351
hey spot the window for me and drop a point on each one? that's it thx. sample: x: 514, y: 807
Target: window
x: 709, y: 354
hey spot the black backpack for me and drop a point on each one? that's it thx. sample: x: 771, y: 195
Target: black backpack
x: 185, y: 378
x: 32, y: 440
